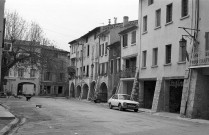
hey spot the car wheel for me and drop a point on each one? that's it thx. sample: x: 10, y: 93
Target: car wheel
x: 120, y: 107
x: 110, y: 105
x: 135, y: 110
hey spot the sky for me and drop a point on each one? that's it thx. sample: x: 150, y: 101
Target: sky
x: 66, y: 20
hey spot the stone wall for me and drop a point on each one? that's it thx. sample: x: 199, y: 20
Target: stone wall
x: 197, y: 104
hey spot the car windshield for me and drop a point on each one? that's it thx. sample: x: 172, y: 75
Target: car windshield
x: 124, y: 97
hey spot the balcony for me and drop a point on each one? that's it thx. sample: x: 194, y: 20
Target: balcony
x: 128, y: 72
x: 73, y: 55
x: 199, y: 59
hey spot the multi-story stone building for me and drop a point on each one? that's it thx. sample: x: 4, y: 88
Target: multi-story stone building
x: 2, y: 3
x: 129, y: 55
x: 83, y: 59
x: 49, y: 79
x: 173, y: 42
x: 98, y: 64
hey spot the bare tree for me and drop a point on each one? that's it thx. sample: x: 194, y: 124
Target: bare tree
x: 28, y: 42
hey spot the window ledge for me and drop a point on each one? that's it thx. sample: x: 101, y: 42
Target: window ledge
x: 124, y: 47
x: 181, y: 62
x: 133, y: 44
x: 184, y: 17
x: 169, y: 64
x: 143, y: 67
x: 154, y: 66
x: 171, y: 22
x: 145, y: 32
x: 158, y: 27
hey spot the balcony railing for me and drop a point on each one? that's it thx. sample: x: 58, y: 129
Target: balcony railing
x: 128, y: 72
x: 199, y: 58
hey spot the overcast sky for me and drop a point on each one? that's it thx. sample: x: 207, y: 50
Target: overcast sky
x: 66, y: 20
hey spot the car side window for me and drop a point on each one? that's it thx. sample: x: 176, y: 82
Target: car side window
x: 114, y: 97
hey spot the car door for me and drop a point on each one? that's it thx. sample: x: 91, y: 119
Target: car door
x: 113, y: 100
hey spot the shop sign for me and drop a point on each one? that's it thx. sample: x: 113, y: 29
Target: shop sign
x: 176, y: 83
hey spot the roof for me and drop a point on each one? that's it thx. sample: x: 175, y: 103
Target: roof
x: 85, y: 35
x: 128, y: 30
x: 114, y: 44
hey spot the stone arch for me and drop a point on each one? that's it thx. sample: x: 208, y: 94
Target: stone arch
x: 85, y: 91
x: 21, y: 85
x: 103, y: 92
x: 72, y: 90
x: 78, y: 91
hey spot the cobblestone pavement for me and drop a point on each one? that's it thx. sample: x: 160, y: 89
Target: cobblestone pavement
x: 74, y: 117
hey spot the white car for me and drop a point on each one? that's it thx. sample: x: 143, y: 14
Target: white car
x: 123, y: 101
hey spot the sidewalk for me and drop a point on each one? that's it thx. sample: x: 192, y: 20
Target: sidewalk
x: 5, y: 117
x: 160, y: 114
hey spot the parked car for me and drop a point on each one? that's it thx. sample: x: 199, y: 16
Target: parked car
x: 100, y: 97
x: 123, y: 101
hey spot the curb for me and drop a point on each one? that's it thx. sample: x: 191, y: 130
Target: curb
x: 11, y: 125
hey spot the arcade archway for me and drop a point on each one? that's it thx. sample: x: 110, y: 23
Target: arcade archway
x: 21, y: 85
x: 85, y: 91
x: 103, y: 92
x: 78, y: 91
x: 72, y: 90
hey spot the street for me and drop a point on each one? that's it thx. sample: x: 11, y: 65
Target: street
x: 60, y: 116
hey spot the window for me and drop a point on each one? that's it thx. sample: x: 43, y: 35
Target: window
x: 100, y: 68
x: 111, y: 66
x: 83, y: 70
x: 47, y: 76
x: 95, y: 36
x: 144, y: 23
x: 77, y: 72
x: 125, y: 40
x: 20, y: 72
x: 182, y: 53
x: 87, y: 70
x: 87, y: 39
x: 118, y: 65
x: 150, y: 2
x: 60, y: 90
x: 184, y: 8
x: 155, y: 56
x: 158, y: 18
x: 61, y: 77
x: 87, y: 50
x: 102, y: 49
x: 206, y: 41
x: 100, y: 52
x: 169, y: 13
x: 144, y: 58
x: 133, y: 37
x: 106, y: 44
x: 106, y: 67
x: 80, y: 70
x: 168, y: 54
x: 32, y: 72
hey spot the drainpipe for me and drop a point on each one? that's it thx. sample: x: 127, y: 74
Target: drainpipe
x: 197, y: 13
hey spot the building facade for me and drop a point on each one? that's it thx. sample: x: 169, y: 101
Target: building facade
x: 49, y: 79
x: 163, y: 59
x: 129, y: 56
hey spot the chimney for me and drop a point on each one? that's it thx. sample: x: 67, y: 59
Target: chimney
x: 109, y: 21
x: 115, y: 19
x: 125, y: 20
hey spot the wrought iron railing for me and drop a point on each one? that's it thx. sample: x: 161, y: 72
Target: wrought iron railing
x: 128, y: 72
x: 199, y: 58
